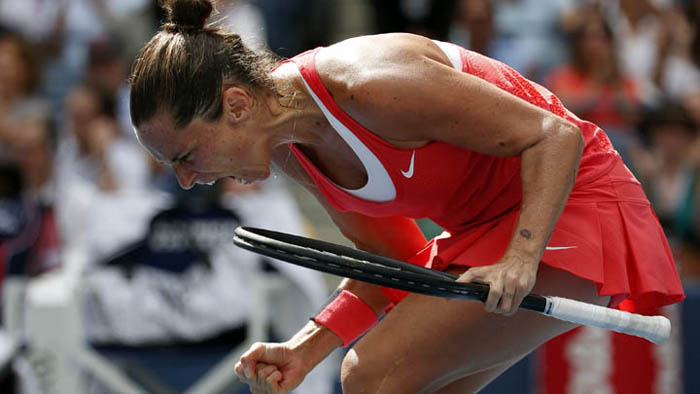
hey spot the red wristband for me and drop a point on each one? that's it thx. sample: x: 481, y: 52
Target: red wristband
x: 347, y: 316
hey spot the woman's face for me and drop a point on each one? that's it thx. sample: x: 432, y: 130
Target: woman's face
x: 33, y: 151
x: 203, y: 152
x: 595, y: 43
x: 13, y: 71
x: 83, y: 107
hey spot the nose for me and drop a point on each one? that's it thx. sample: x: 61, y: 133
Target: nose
x: 186, y: 178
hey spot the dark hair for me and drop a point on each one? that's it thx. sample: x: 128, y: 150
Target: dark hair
x: 181, y: 70
x: 104, y: 50
x: 668, y: 112
x: 11, y: 181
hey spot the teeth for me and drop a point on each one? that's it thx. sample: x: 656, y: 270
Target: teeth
x: 210, y: 183
x: 242, y: 181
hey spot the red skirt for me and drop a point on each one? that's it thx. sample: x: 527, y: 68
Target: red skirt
x: 607, y: 233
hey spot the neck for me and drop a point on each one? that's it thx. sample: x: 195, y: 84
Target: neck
x: 291, y: 115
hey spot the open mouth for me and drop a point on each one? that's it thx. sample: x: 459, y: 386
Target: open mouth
x: 241, y: 180
x: 208, y: 183
x: 211, y: 182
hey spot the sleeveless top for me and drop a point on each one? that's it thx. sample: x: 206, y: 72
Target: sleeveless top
x: 455, y: 187
x: 607, y: 232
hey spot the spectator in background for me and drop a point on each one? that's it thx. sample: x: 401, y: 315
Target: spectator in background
x: 30, y: 240
x: 19, y: 75
x: 244, y: 17
x: 107, y: 73
x: 428, y: 18
x: 63, y: 29
x: 668, y: 169
x: 594, y: 86
x: 129, y: 23
x: 30, y: 138
x: 641, y: 34
x: 99, y: 153
x: 185, y: 285
x: 529, y: 34
x: 692, y: 15
x: 32, y: 19
x: 295, y: 24
x: 472, y: 25
x: 12, y: 216
x: 96, y: 164
x: 689, y: 254
x: 681, y: 80
x: 679, y: 75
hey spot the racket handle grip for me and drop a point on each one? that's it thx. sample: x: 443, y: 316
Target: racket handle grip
x: 656, y: 329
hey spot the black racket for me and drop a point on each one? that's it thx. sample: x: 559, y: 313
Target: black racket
x: 367, y: 267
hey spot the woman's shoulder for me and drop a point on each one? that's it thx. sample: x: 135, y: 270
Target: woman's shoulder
x: 359, y: 60
x: 379, y: 45
x: 359, y: 73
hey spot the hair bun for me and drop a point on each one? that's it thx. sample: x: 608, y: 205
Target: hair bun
x: 189, y: 14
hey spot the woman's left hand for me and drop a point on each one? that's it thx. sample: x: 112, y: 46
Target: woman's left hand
x: 510, y: 280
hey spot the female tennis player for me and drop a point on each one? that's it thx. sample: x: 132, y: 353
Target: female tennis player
x: 391, y: 127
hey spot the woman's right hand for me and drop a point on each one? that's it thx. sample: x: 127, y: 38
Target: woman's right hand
x: 272, y: 368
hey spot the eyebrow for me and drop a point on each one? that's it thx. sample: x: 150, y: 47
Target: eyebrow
x: 180, y: 157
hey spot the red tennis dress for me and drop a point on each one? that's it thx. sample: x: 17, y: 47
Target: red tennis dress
x: 607, y: 232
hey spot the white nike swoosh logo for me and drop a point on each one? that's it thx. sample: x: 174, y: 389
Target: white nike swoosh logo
x: 380, y: 186
x: 558, y: 247
x: 409, y: 173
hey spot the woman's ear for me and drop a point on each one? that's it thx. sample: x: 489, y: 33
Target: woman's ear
x: 237, y: 104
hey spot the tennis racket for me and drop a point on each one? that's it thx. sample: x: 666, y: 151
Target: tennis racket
x: 367, y: 267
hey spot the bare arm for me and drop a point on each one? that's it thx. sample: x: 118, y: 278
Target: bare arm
x: 395, y: 237
x: 403, y: 88
x: 413, y: 94
x: 285, y: 365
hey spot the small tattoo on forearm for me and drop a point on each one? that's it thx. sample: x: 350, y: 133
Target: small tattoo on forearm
x: 525, y: 233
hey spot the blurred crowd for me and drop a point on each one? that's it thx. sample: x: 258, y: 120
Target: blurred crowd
x: 73, y: 177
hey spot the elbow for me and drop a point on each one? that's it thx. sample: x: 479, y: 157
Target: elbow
x: 566, y: 136
x: 575, y: 136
